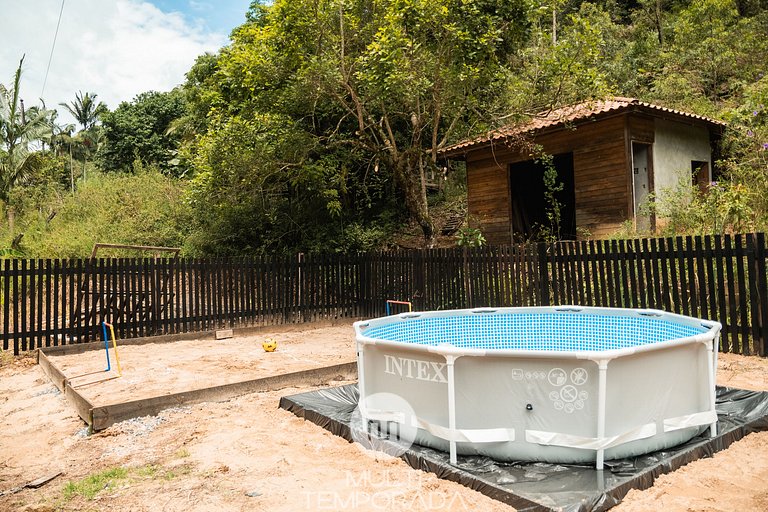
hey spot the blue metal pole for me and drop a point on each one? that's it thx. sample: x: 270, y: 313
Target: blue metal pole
x: 106, y: 344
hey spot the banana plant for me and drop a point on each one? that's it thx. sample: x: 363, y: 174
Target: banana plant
x: 18, y: 129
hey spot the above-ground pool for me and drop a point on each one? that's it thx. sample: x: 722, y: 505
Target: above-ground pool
x: 558, y: 384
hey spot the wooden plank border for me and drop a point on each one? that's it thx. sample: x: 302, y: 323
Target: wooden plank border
x: 101, y: 417
x: 82, y: 406
x: 104, y: 416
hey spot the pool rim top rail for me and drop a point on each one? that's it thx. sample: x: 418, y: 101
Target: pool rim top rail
x: 710, y: 335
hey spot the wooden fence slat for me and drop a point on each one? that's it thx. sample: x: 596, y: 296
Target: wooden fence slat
x: 51, y: 302
x: 692, y: 282
x: 614, y: 273
x: 711, y: 295
x: 721, y: 288
x: 67, y: 287
x: 42, y: 338
x: 743, y: 308
x: 732, y: 321
x: 54, y: 273
x: 6, y: 297
x: 762, y: 285
x: 701, y: 281
x: 655, y: 277
x: 15, y: 302
x: 22, y: 298
x: 753, y: 279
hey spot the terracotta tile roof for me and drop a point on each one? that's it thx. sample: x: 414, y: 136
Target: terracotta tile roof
x: 570, y: 114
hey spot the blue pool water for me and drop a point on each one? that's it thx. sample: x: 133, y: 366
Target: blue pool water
x: 531, y: 331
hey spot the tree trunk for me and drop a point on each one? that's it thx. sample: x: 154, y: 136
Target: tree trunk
x: 659, y: 28
x: 11, y: 220
x: 406, y: 168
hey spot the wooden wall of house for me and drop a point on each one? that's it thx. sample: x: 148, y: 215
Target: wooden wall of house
x: 601, y: 178
x: 488, y: 201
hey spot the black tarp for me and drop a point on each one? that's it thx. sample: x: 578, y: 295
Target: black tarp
x: 537, y: 486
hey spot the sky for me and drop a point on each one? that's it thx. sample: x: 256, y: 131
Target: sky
x: 114, y: 48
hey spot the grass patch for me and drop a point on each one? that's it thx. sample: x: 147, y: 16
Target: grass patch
x: 92, y: 485
x: 153, y: 471
x: 182, y: 453
x: 149, y: 471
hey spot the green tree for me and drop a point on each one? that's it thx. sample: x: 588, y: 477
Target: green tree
x: 587, y: 61
x: 18, y: 129
x: 85, y: 110
x: 138, y: 130
x: 392, y: 82
x: 713, y: 52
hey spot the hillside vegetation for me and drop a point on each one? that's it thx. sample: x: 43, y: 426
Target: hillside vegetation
x: 319, y: 127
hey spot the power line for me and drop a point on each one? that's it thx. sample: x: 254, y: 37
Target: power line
x: 50, y: 58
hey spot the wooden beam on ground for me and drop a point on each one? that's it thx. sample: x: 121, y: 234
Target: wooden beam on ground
x: 104, y: 416
x: 82, y: 406
x: 34, y: 484
x: 54, y: 374
x: 79, y: 348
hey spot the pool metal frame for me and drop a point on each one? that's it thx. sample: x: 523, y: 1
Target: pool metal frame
x: 709, y: 338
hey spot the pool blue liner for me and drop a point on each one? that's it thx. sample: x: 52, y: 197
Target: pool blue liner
x: 535, y: 486
x: 534, y: 331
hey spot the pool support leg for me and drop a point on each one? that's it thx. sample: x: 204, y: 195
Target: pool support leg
x: 449, y: 359
x: 601, y: 384
x: 712, y: 361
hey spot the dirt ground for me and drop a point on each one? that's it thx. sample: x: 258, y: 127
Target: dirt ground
x: 162, y: 368
x: 246, y: 454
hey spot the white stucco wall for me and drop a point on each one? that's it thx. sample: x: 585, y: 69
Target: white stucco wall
x: 676, y: 145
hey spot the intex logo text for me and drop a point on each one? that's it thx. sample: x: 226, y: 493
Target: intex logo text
x: 415, y: 369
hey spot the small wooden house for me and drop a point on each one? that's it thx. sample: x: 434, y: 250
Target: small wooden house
x: 609, y: 154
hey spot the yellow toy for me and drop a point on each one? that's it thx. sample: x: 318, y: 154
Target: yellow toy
x: 269, y: 345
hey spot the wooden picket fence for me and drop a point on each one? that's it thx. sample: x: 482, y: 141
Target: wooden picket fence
x: 53, y: 302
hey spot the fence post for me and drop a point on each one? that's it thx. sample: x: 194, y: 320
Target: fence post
x: 419, y: 292
x: 761, y: 318
x: 5, y: 298
x: 541, y: 249
x: 467, y: 279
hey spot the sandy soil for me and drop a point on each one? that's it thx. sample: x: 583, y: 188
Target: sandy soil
x: 731, y: 480
x: 246, y: 454
x: 163, y: 368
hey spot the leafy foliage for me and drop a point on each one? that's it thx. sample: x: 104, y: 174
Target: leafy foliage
x: 85, y: 109
x: 470, y: 237
x: 725, y: 207
x: 141, y: 208
x: 373, y: 89
x: 319, y: 127
x: 138, y: 130
x: 18, y: 129
x: 259, y: 187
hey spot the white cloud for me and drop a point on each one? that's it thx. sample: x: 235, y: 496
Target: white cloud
x: 200, y: 6
x: 116, y: 49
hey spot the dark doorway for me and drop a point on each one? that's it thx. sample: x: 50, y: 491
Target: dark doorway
x: 700, y: 175
x: 529, y: 206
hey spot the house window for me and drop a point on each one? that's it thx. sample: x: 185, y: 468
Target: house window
x: 700, y: 175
